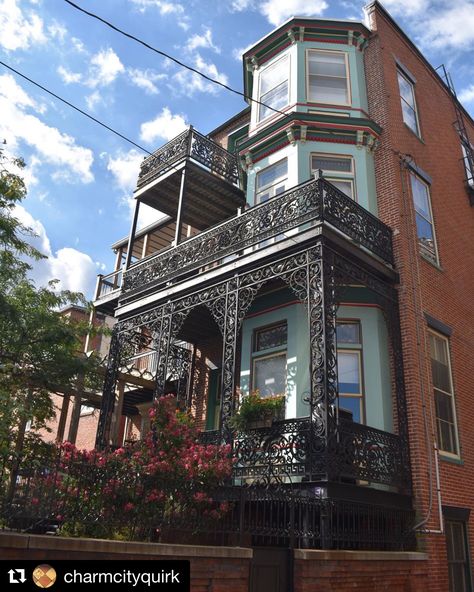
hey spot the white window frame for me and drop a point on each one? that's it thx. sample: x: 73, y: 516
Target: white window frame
x: 309, y: 99
x: 425, y: 252
x: 332, y: 175
x: 448, y: 453
x: 271, y: 187
x: 413, y: 107
x: 272, y: 64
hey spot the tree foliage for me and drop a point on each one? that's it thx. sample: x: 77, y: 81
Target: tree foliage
x: 40, y: 350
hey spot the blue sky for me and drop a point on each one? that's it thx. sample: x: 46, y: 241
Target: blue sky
x: 80, y: 176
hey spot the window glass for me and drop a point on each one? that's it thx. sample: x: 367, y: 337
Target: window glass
x: 273, y: 88
x: 443, y: 394
x: 269, y: 375
x: 348, y: 333
x: 327, y: 77
x: 271, y: 337
x: 271, y: 181
x: 349, y: 382
x: 345, y: 186
x: 423, y: 217
x: 407, y: 97
x: 458, y: 559
x: 468, y: 163
x: 332, y: 165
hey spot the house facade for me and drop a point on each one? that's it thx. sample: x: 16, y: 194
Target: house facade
x: 316, y: 247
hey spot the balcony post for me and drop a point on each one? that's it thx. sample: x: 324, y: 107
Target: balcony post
x: 179, y: 214
x: 131, y: 238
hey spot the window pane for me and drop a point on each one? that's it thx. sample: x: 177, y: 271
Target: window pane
x: 273, y: 76
x: 425, y: 232
x: 444, y: 409
x: 406, y: 90
x: 344, y: 186
x: 409, y: 117
x: 440, y: 375
x: 327, y: 64
x: 332, y: 163
x: 276, y: 98
x: 352, y: 404
x: 328, y: 90
x: 271, y: 174
x: 348, y: 332
x: 348, y: 375
x: 457, y: 556
x: 420, y: 197
x: 270, y: 375
x: 271, y: 337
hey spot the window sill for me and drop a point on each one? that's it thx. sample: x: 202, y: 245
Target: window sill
x: 454, y: 460
x: 435, y: 264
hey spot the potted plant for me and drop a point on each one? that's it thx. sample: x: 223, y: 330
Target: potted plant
x: 256, y: 411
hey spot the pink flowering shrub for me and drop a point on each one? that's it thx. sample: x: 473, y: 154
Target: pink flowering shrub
x: 168, y: 478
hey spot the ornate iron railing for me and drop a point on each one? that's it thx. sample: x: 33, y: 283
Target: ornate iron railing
x: 315, y: 200
x: 290, y: 452
x: 189, y: 144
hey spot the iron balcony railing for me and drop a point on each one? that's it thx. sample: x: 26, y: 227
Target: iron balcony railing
x: 193, y: 145
x: 313, y: 201
x: 290, y: 452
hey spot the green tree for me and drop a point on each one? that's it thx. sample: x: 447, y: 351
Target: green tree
x: 40, y: 350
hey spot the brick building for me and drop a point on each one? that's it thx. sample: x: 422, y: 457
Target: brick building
x: 317, y: 246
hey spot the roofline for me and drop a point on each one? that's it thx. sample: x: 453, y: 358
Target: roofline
x: 72, y: 307
x: 305, y: 18
x: 229, y: 121
x: 383, y: 10
x: 142, y: 231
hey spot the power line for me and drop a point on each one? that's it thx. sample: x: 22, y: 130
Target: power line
x: 173, y: 59
x: 107, y: 127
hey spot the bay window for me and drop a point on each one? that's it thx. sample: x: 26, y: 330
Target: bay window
x: 349, y: 369
x: 273, y: 91
x: 328, y: 78
x: 337, y: 169
x: 269, y: 359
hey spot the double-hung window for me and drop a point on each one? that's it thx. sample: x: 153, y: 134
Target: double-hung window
x: 273, y: 88
x: 271, y: 181
x: 467, y: 157
x: 458, y: 556
x: 269, y: 359
x: 424, y: 218
x: 337, y: 169
x: 407, y: 97
x: 349, y: 369
x: 328, y: 77
x: 443, y: 394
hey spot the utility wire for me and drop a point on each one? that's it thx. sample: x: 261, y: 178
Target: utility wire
x: 173, y: 59
x: 107, y: 127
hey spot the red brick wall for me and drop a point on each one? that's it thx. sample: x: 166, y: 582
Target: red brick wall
x: 362, y: 575
x: 445, y: 293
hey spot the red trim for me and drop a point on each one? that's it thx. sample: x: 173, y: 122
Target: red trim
x: 361, y: 305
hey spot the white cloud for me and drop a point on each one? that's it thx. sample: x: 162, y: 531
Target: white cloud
x: 145, y: 79
x: 105, y: 67
x: 467, y: 94
x: 451, y: 26
x: 74, y: 269
x: 163, y: 6
x: 238, y: 52
x: 125, y: 167
x: 78, y: 45
x: 277, y: 11
x: 93, y: 100
x: 241, y: 5
x: 405, y: 7
x: 19, y: 30
x: 57, y: 31
x: 204, y: 41
x: 67, y: 76
x: 165, y: 126
x: 188, y: 82
x: 52, y: 146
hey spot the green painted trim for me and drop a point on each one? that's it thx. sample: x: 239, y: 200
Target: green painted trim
x: 450, y: 459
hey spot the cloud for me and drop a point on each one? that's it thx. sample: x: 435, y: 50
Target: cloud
x: 19, y: 30
x: 188, y: 82
x: 105, y: 67
x: 93, y: 100
x: 405, y: 7
x: 52, y: 146
x: 67, y: 76
x: 451, y: 26
x: 277, y: 12
x: 241, y: 5
x: 145, y: 79
x: 74, y: 269
x: 467, y: 94
x: 238, y: 52
x: 204, y: 41
x: 165, y: 126
x: 163, y: 6
x: 57, y: 31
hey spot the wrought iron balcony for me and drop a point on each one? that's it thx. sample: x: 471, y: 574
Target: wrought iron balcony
x: 288, y: 452
x: 192, y: 144
x: 316, y: 201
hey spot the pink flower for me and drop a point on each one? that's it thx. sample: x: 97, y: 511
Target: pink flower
x: 128, y: 507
